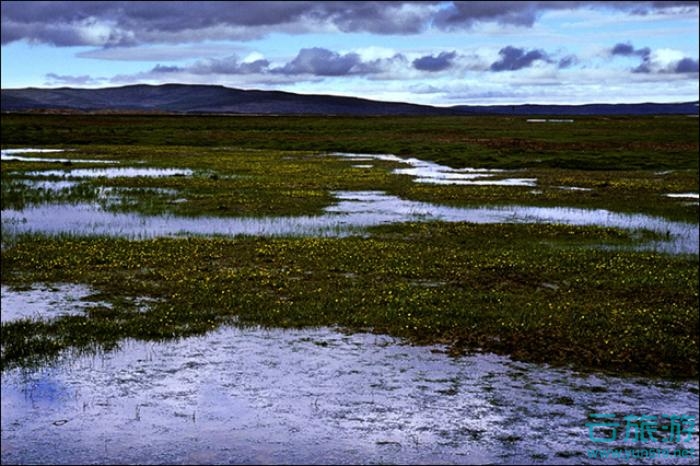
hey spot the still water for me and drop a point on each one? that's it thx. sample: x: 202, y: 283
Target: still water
x: 11, y: 154
x: 47, y: 302
x: 353, y: 211
x: 120, y: 172
x: 424, y: 171
x: 318, y: 396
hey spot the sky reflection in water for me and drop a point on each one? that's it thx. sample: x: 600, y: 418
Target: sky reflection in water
x: 11, y: 154
x: 354, y: 210
x: 252, y: 396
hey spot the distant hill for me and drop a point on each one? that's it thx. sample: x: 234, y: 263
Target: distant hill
x: 186, y: 98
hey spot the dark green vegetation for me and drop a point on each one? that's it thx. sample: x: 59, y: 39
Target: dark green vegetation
x: 590, y: 143
x: 540, y: 293
x: 531, y: 291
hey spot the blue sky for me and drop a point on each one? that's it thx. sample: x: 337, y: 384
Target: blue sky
x: 439, y: 53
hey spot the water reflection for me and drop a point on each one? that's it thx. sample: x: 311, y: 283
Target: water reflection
x: 255, y: 396
x: 121, y: 172
x: 684, y: 195
x: 10, y: 155
x: 433, y: 173
x: 353, y: 211
x: 45, y: 302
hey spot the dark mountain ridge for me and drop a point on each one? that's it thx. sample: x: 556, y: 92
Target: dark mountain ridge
x: 214, y: 99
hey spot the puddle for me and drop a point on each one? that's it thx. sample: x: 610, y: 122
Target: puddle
x: 9, y: 154
x: 122, y: 172
x: 317, y: 396
x: 354, y: 211
x: 45, y: 302
x: 574, y: 188
x: 465, y: 181
x: 433, y: 173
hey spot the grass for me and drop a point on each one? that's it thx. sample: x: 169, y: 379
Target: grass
x: 533, y: 291
x: 262, y: 183
x: 590, y: 143
x: 546, y: 293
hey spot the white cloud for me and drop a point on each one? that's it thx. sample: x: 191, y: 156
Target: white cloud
x: 253, y: 57
x: 665, y: 58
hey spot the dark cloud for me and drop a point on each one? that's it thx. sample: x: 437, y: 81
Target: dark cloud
x: 567, y: 61
x: 257, y: 66
x: 644, y: 53
x: 322, y: 62
x: 167, y: 69
x: 379, y: 17
x: 628, y: 49
x: 461, y: 14
x: 687, y: 65
x: 314, y: 61
x: 525, y: 13
x: 118, y: 23
x: 513, y: 58
x: 644, y: 67
x: 318, y: 61
x: 622, y: 49
x: 229, y: 65
x: 135, y: 22
x: 432, y: 63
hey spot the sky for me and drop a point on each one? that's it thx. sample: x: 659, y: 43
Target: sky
x: 428, y: 52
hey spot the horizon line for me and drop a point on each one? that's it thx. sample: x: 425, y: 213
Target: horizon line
x: 446, y: 106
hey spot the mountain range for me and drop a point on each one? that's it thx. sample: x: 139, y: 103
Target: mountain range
x: 212, y: 99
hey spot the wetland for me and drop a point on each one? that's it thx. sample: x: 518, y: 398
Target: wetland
x: 458, y: 275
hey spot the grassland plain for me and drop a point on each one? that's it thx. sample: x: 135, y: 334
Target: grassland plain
x: 538, y: 292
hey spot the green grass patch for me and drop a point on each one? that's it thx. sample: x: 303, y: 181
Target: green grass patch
x: 236, y: 182
x: 537, y: 292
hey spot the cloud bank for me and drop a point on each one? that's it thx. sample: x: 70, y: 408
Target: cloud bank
x: 128, y: 23
x: 652, y: 62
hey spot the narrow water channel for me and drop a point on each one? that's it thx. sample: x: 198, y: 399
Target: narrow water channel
x: 353, y: 211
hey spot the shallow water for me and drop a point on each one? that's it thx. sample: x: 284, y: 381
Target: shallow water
x: 433, y: 173
x: 45, y: 302
x: 684, y: 195
x: 316, y: 396
x: 353, y: 211
x: 121, y: 172
x: 9, y: 154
